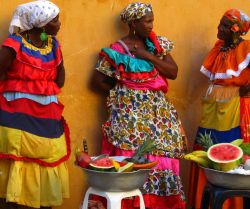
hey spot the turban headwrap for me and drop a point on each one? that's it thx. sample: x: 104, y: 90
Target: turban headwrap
x: 240, y: 19
x: 135, y: 11
x: 33, y: 14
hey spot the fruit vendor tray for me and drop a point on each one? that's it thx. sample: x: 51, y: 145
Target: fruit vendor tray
x: 226, y: 179
x: 114, y: 181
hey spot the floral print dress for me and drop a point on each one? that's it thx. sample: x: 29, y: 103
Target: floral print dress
x: 138, y: 114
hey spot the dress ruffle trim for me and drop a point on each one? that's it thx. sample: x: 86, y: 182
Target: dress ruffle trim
x: 40, y: 87
x: 121, y: 73
x: 225, y: 65
x: 42, y: 162
x: 41, y: 58
x: 229, y: 72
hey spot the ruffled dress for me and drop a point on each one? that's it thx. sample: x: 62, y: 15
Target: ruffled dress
x: 139, y: 110
x: 34, y: 137
x: 225, y: 115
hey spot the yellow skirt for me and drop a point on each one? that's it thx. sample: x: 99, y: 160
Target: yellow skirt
x: 33, y: 185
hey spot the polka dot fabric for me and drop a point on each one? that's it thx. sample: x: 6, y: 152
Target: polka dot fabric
x: 33, y: 14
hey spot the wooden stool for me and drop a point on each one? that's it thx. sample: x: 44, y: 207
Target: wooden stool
x: 215, y: 196
x: 113, y: 198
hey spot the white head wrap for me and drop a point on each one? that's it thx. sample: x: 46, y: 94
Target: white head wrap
x: 33, y: 14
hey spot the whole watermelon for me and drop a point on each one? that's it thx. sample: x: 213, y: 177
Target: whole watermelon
x: 224, y: 156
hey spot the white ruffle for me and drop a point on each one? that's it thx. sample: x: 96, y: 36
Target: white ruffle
x: 229, y: 72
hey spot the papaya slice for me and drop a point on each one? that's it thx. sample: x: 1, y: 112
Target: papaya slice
x: 145, y: 165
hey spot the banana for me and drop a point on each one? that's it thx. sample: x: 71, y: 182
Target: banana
x: 237, y: 142
x: 200, y: 153
x: 188, y: 156
x: 201, y: 161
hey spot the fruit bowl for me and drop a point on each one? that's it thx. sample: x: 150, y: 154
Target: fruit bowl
x: 116, y: 182
x: 227, y: 180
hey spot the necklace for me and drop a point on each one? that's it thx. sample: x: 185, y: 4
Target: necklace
x: 231, y: 46
x: 42, y: 45
x: 225, y: 49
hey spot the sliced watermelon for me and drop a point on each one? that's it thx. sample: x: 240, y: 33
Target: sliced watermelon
x: 103, y: 164
x: 224, y: 156
x: 245, y: 158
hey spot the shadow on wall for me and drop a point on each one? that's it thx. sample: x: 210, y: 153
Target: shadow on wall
x: 122, y: 30
x: 4, y: 25
x: 101, y: 108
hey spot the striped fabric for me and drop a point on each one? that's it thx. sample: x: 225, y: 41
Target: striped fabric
x: 221, y: 114
x: 34, y: 70
x: 34, y: 137
x: 31, y: 125
x: 22, y: 118
x: 221, y: 119
x: 9, y: 96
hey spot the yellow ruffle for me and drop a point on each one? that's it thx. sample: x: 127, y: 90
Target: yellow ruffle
x: 24, y: 144
x: 43, y: 51
x: 226, y: 101
x: 32, y: 185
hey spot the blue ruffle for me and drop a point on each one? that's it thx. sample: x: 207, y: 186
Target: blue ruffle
x: 131, y: 64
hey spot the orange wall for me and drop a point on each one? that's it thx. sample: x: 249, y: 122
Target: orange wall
x: 89, y: 25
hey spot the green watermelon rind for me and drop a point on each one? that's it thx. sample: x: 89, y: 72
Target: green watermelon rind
x: 224, y: 165
x: 100, y: 168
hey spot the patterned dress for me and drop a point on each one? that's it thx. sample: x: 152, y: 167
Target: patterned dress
x: 225, y: 115
x: 34, y: 138
x: 138, y: 110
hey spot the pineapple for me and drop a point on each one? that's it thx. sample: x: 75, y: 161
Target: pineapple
x: 205, y: 140
x: 147, y: 147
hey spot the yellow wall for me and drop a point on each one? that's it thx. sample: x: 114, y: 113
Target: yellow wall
x: 89, y: 25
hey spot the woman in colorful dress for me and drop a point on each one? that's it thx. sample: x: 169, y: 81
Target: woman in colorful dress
x: 135, y: 70
x: 34, y: 138
x: 226, y: 105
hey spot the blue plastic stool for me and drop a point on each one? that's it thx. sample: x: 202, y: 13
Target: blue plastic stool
x: 215, y: 196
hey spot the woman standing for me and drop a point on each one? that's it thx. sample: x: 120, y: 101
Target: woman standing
x: 34, y: 138
x: 134, y: 71
x: 226, y: 105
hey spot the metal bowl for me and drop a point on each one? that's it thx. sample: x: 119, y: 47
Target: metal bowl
x: 227, y: 180
x: 116, y: 182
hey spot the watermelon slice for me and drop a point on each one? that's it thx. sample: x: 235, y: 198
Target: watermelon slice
x: 103, y: 164
x: 224, y: 156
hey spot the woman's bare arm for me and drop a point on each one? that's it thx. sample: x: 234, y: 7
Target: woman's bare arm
x: 7, y: 55
x: 60, y: 79
x: 166, y: 66
x: 102, y: 82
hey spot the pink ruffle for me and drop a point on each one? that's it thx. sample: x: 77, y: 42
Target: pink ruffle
x: 155, y: 84
x: 163, y: 162
x: 158, y: 83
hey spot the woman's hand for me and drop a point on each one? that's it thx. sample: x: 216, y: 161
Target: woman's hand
x: 245, y: 91
x: 140, y: 52
x: 166, y: 66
